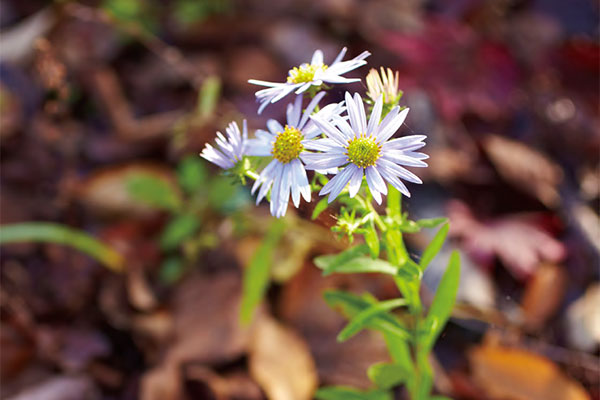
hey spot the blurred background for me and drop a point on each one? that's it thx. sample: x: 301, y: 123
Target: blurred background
x: 105, y: 105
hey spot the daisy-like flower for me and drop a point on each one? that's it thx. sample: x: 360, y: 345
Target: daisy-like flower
x: 301, y: 78
x: 231, y: 149
x: 362, y: 148
x: 285, y: 174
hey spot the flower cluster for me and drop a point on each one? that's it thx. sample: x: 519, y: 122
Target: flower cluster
x: 336, y: 139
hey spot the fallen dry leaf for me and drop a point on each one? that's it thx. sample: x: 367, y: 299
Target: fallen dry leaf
x: 583, y: 320
x: 280, y: 361
x: 526, y: 168
x: 506, y: 373
x: 518, y: 241
x: 543, y: 295
x: 206, y: 329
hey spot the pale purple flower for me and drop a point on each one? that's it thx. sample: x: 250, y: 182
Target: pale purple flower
x: 301, y: 78
x: 285, y: 174
x: 231, y: 149
x: 363, y: 148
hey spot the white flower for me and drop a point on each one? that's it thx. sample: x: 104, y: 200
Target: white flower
x: 231, y: 149
x: 285, y: 174
x: 306, y: 75
x: 363, y: 148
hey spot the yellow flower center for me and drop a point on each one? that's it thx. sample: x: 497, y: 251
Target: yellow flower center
x: 304, y: 73
x: 288, y: 146
x: 363, y: 151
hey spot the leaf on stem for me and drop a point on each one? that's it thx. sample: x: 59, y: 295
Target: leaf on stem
x: 431, y: 222
x: 256, y: 276
x: 387, y: 375
x: 55, y: 233
x: 191, y: 174
x: 434, y: 247
x: 351, y: 305
x: 361, y: 320
x: 333, y: 261
x: 348, y: 393
x: 372, y: 239
x: 443, y: 302
x: 319, y: 208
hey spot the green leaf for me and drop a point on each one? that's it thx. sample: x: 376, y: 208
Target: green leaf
x: 171, y: 270
x: 192, y: 174
x: 335, y: 260
x: 227, y: 197
x: 351, y: 305
x: 256, y: 275
x: 348, y: 393
x: 410, y: 270
x: 180, y: 228
x: 387, y: 375
x: 439, y: 398
x: 319, y: 208
x: 431, y: 222
x: 409, y: 226
x: 208, y: 97
x: 434, y: 246
x: 399, y: 351
x: 394, y: 199
x: 361, y: 320
x: 55, y: 233
x: 153, y: 191
x: 443, y: 302
x: 363, y: 265
x: 372, y: 239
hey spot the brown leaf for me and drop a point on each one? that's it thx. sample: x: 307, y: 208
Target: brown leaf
x: 518, y: 241
x: 511, y: 373
x: 280, y: 361
x: 526, y: 168
x: 543, y: 295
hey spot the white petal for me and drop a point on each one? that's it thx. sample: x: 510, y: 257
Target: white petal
x: 398, y: 170
x: 374, y: 180
x: 309, y: 109
x: 293, y: 112
x: 330, y: 130
x: 353, y: 114
x: 355, y: 181
x: 361, y: 112
x: 317, y: 58
x: 340, y: 56
x: 274, y: 127
x: 391, y: 128
x: 335, y: 186
x: 375, y: 116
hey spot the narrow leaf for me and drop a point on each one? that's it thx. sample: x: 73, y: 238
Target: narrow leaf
x: 444, y: 299
x: 431, y: 222
x: 335, y: 260
x: 361, y: 320
x: 319, y: 208
x: 387, y: 375
x: 350, y: 305
x: 348, y: 393
x: 372, y: 239
x: 256, y: 275
x: 55, y: 233
x: 208, y: 96
x: 364, y: 265
x: 434, y: 246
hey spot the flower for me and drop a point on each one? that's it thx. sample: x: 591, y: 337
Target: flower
x: 286, y: 172
x: 232, y: 149
x: 364, y: 149
x: 385, y: 84
x: 301, y: 78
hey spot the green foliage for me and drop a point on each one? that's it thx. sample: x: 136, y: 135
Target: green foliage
x: 188, y: 12
x: 352, y: 305
x: 256, y: 277
x: 443, y: 302
x: 331, y: 262
x: 431, y: 222
x: 55, y: 233
x: 363, y: 264
x: 208, y: 96
x: 387, y: 375
x: 434, y: 246
x: 171, y: 270
x: 372, y: 239
x: 180, y: 228
x: 319, y: 208
x: 141, y: 13
x: 192, y: 174
x: 156, y: 192
x: 361, y: 320
x: 348, y: 393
